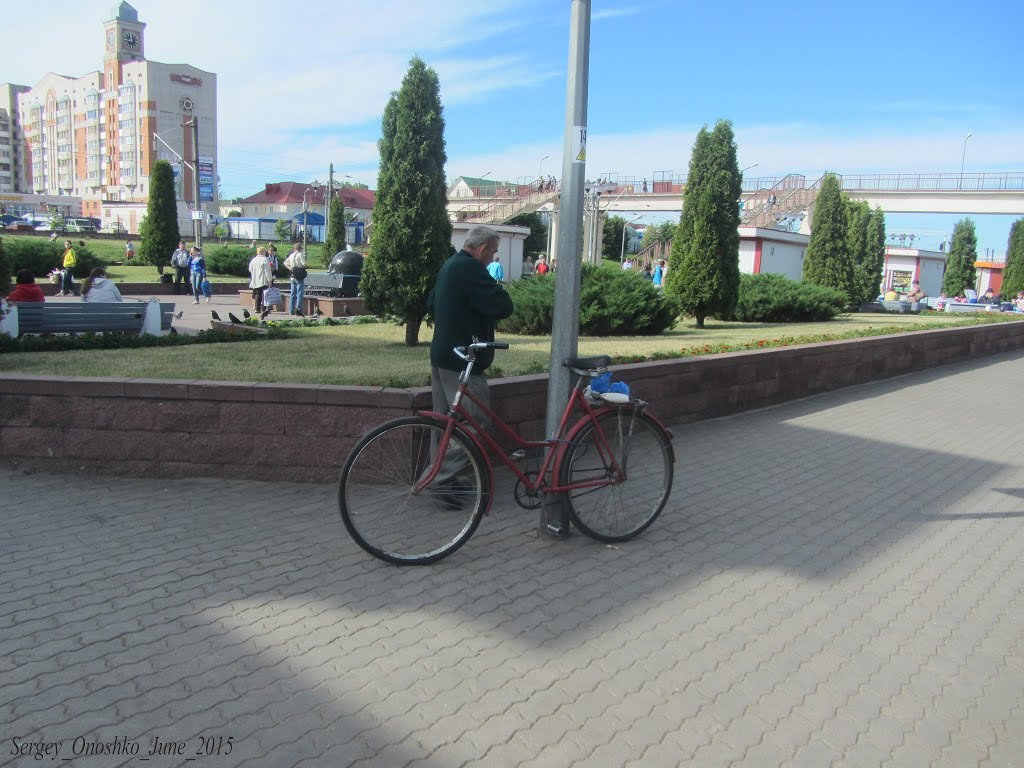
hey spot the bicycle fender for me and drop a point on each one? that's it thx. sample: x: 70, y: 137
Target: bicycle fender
x: 574, y: 431
x: 480, y: 447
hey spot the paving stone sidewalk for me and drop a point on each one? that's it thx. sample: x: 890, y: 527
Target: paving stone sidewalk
x: 836, y: 581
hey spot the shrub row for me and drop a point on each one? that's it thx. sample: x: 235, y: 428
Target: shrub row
x: 769, y: 298
x: 612, y: 303
x: 65, y: 342
x: 43, y: 256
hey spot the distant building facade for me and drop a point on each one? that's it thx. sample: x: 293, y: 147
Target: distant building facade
x: 95, y: 136
x: 284, y: 200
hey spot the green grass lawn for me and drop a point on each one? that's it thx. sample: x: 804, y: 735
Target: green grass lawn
x: 374, y: 354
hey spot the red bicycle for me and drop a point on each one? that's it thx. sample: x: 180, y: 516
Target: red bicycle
x: 414, y: 489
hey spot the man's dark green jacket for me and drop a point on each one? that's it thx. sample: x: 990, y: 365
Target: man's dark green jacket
x: 465, y: 302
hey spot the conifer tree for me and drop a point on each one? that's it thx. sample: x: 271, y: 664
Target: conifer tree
x: 411, y: 230
x: 335, y: 230
x: 1013, y: 272
x: 960, y: 273
x: 858, y: 214
x: 159, y: 230
x: 875, y: 254
x: 704, y: 269
x: 828, y: 261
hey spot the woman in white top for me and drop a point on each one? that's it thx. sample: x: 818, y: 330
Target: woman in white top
x: 97, y: 288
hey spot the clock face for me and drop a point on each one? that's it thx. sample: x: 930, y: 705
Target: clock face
x: 131, y: 40
x: 110, y: 39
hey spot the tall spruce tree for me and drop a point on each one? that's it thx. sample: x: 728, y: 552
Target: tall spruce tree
x: 1013, y: 272
x: 858, y: 214
x: 828, y: 261
x: 412, y: 234
x: 704, y: 269
x: 960, y: 273
x: 159, y: 230
x: 875, y: 266
x: 865, y: 239
x: 335, y: 241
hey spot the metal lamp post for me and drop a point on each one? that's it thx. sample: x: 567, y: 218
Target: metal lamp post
x: 540, y: 168
x: 963, y: 157
x: 622, y: 250
x: 305, y: 211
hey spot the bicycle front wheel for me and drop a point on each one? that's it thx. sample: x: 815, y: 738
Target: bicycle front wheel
x: 622, y: 508
x: 376, y: 492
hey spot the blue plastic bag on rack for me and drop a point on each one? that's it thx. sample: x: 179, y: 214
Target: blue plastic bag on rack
x: 604, y: 383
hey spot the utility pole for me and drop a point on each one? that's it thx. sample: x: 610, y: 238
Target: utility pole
x: 327, y: 204
x: 197, y: 221
x: 554, y: 518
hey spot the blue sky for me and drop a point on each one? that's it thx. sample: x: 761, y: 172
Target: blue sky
x: 864, y: 87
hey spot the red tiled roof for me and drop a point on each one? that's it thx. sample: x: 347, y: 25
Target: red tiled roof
x: 284, y: 192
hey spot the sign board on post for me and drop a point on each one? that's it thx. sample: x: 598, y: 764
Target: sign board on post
x: 197, y: 215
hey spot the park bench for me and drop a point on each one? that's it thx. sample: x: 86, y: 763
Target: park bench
x: 153, y: 317
x: 953, y: 306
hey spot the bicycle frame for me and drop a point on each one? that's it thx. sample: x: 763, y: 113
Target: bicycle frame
x: 554, y: 447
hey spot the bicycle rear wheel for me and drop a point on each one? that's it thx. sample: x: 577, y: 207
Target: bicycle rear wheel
x: 376, y: 499
x: 622, y: 509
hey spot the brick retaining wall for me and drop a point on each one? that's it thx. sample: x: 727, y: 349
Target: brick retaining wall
x: 303, y: 432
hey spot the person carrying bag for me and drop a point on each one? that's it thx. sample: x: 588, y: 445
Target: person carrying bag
x: 296, y: 265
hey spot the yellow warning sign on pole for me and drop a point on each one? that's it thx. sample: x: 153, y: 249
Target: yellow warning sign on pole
x: 579, y: 143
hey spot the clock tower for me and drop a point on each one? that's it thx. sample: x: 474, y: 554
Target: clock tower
x: 123, y: 35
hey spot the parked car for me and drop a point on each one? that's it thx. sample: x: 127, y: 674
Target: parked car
x: 79, y: 225
x: 19, y: 226
x: 43, y: 227
x: 116, y: 228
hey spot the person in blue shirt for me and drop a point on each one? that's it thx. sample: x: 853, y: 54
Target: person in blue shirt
x: 495, y: 270
x: 197, y: 266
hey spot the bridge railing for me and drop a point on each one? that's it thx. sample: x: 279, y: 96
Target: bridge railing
x: 934, y: 182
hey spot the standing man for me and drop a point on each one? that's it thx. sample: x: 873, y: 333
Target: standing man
x: 495, y: 270
x: 179, y: 260
x: 465, y: 302
x: 296, y: 264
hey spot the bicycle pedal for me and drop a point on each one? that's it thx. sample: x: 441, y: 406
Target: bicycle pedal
x: 519, y: 455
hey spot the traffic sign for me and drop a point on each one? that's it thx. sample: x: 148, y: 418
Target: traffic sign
x: 191, y: 206
x: 197, y: 214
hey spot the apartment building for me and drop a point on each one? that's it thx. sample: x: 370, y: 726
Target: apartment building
x: 97, y: 137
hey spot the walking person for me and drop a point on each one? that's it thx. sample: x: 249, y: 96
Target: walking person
x: 197, y: 266
x: 495, y: 270
x: 260, y: 277
x: 296, y: 265
x: 466, y: 302
x: 67, y: 286
x: 129, y: 250
x: 179, y: 260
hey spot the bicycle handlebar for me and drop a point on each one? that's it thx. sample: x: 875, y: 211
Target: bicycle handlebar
x: 465, y: 352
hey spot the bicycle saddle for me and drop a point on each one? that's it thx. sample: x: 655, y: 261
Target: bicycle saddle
x: 588, y: 363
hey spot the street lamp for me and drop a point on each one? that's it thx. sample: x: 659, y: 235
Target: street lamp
x: 748, y: 168
x: 962, y: 158
x: 622, y: 250
x: 305, y: 211
x: 540, y: 167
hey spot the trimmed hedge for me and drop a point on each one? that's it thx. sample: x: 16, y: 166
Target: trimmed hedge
x: 770, y: 298
x: 612, y: 303
x: 79, y: 341
x: 43, y: 256
x: 234, y: 260
x: 5, y: 270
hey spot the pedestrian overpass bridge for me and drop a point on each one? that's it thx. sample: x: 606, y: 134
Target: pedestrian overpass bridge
x: 766, y: 199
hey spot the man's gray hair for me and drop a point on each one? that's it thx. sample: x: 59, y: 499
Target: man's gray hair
x: 480, y: 236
